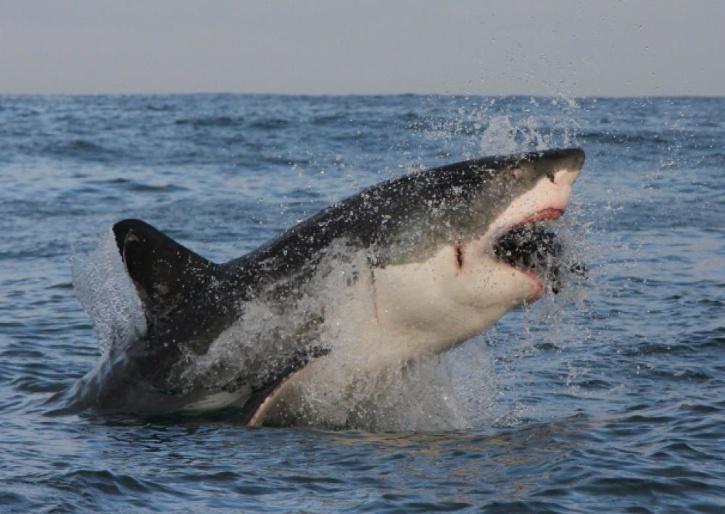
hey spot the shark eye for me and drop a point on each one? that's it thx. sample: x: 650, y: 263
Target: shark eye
x: 550, y: 175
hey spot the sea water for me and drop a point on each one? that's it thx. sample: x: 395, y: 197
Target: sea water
x: 608, y: 397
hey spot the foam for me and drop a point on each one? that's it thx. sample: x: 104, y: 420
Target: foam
x: 107, y: 294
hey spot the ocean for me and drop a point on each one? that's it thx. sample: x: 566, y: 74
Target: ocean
x: 608, y: 397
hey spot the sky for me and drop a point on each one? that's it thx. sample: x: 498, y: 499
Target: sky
x: 497, y: 47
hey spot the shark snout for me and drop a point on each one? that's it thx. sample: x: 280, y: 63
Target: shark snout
x: 566, y: 177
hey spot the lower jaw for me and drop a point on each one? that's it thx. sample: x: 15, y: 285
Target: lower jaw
x: 537, y: 285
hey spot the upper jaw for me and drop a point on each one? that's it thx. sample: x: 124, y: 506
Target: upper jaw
x: 547, y: 200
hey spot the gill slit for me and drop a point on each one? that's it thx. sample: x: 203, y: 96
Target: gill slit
x: 458, y: 249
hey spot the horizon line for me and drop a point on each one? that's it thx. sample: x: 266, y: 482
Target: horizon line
x: 320, y: 95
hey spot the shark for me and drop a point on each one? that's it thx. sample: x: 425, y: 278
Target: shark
x: 402, y: 271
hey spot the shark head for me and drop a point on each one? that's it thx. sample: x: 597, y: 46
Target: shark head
x: 478, y: 246
x: 443, y: 254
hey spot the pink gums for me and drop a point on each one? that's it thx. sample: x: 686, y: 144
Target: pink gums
x: 544, y: 215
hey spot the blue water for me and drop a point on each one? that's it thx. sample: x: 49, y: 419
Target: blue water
x: 610, y: 397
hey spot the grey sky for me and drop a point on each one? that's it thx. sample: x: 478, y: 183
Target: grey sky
x: 364, y: 46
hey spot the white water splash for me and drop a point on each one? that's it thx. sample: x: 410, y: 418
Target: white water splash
x: 494, y: 126
x: 107, y: 294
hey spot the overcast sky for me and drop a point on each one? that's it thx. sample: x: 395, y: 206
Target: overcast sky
x: 603, y: 47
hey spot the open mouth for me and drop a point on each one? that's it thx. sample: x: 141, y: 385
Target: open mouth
x: 534, y: 249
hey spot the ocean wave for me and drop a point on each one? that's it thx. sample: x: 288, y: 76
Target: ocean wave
x: 135, y: 185
x: 211, y: 121
x: 81, y: 149
x: 269, y: 123
x: 622, y: 137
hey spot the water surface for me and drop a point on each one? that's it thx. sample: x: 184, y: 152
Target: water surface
x: 610, y: 397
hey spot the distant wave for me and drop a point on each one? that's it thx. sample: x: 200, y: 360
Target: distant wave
x: 330, y: 119
x: 269, y: 123
x: 233, y: 121
x: 210, y: 121
x: 80, y: 149
x: 159, y: 108
x: 614, y: 136
x: 137, y: 186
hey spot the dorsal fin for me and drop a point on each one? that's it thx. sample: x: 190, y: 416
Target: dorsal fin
x: 166, y: 274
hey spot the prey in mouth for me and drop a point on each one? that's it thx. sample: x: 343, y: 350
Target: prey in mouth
x: 534, y: 248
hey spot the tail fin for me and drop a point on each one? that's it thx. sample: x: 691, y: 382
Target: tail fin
x: 167, y: 276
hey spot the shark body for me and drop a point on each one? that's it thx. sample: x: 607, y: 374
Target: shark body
x: 406, y: 269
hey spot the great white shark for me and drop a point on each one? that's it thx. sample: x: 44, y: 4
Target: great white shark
x: 402, y: 271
